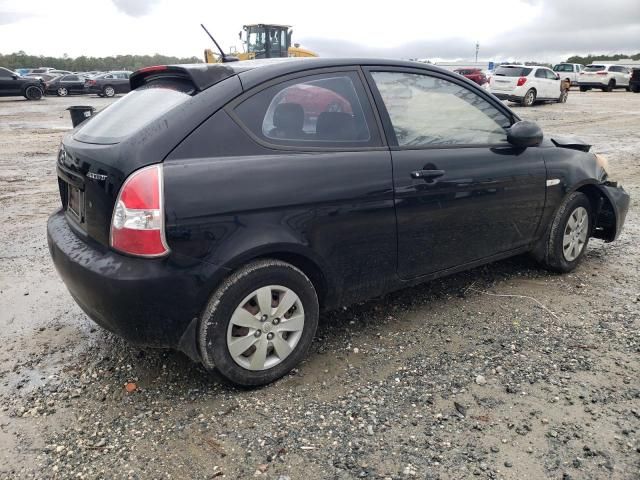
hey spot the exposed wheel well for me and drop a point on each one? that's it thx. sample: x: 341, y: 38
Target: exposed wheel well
x: 604, y: 225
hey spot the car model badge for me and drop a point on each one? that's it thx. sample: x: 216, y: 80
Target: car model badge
x: 96, y: 176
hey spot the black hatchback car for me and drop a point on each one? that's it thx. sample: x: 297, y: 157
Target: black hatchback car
x: 13, y: 85
x: 216, y: 209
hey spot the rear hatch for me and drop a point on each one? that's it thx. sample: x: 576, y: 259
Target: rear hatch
x: 593, y: 73
x: 138, y: 130
x: 506, y: 77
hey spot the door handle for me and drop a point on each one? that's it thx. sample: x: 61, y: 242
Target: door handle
x: 427, y: 174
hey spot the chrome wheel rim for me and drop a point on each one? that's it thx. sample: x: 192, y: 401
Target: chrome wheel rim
x: 529, y: 98
x: 265, y: 327
x: 109, y: 92
x: 575, y: 234
x: 62, y: 92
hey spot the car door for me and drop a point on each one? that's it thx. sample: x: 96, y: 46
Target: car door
x: 624, y: 75
x: 314, y: 171
x: 76, y: 84
x: 554, y: 83
x: 462, y: 193
x: 9, y: 85
x: 542, y: 84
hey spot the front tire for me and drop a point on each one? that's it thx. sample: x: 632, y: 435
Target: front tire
x: 259, y: 324
x: 529, y: 98
x: 584, y: 89
x: 33, y: 93
x: 569, y: 235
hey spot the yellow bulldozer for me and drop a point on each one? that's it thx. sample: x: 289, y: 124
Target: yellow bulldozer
x: 260, y: 40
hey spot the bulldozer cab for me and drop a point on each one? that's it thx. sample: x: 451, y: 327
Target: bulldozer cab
x: 267, y: 41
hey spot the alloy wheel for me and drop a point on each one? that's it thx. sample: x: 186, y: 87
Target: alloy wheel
x: 529, y: 98
x: 109, y: 92
x: 62, y: 92
x: 575, y: 234
x: 265, y: 327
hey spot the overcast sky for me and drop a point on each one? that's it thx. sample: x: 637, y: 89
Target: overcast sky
x: 544, y: 30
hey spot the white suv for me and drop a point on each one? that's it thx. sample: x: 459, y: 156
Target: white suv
x: 527, y: 84
x: 605, y: 77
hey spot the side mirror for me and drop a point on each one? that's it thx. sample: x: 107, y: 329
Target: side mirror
x: 524, y: 133
x: 15, y: 77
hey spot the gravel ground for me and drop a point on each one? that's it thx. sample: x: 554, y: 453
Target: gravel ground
x: 505, y: 371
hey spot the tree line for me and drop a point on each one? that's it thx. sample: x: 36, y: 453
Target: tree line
x: 593, y: 58
x: 20, y: 59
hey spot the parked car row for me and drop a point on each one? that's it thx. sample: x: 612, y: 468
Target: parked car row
x: 605, y: 77
x: 103, y: 84
x: 528, y: 84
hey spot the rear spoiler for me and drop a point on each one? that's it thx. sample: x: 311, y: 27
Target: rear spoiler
x: 202, y: 76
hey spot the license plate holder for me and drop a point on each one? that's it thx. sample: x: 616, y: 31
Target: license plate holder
x: 75, y: 202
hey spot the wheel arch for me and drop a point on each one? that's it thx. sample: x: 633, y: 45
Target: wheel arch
x: 298, y: 256
x: 605, y: 216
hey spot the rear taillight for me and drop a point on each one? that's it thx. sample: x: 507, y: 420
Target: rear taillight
x: 137, y: 225
x: 90, y: 82
x: 521, y: 81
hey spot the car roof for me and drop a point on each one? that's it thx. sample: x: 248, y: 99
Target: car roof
x: 253, y: 72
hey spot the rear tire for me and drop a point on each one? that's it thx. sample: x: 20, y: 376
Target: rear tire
x: 610, y: 86
x: 635, y: 89
x: 529, y: 98
x: 33, y: 93
x: 569, y: 234
x: 62, y: 92
x: 238, y: 312
x: 108, y: 91
x: 584, y: 89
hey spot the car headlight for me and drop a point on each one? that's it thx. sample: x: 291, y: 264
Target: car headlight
x: 602, y: 162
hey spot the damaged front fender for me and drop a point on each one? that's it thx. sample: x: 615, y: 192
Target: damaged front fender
x: 612, y: 212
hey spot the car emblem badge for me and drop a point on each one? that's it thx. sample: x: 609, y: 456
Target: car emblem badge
x: 96, y: 176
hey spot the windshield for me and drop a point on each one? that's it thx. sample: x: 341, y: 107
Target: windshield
x: 131, y: 113
x: 509, y: 71
x: 594, y: 68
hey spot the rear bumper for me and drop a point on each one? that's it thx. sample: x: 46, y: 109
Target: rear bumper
x: 150, y: 302
x: 592, y: 84
x: 508, y: 96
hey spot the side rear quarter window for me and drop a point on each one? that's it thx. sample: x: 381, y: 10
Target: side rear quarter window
x: 327, y: 110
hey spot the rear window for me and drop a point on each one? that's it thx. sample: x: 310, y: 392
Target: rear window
x: 513, y: 71
x: 132, y: 112
x: 594, y: 68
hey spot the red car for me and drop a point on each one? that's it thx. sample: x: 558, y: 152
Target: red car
x: 473, y: 74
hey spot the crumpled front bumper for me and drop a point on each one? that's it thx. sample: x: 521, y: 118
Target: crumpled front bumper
x: 619, y: 200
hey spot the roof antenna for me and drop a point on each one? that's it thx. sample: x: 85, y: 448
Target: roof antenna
x: 225, y: 58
